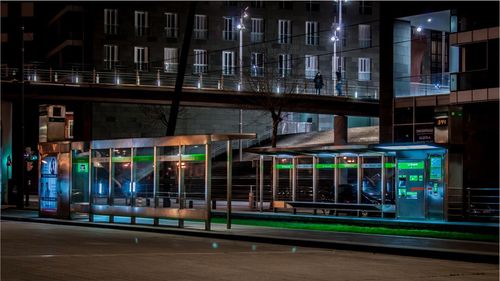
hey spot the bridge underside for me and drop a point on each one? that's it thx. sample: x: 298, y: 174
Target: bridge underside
x: 54, y: 93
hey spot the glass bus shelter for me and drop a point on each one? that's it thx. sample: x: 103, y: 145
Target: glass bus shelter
x: 167, y: 177
x: 400, y: 181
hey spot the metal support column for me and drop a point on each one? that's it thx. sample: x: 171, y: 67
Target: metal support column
x: 359, y: 180
x: 110, y: 183
x: 91, y: 199
x: 180, y: 185
x: 261, y: 183
x: 208, y: 184
x: 229, y: 175
x: 294, y: 178
x: 315, y: 178
x: 336, y: 179
x: 156, y: 221
x: 382, y: 185
x: 132, y: 184
x: 274, y: 181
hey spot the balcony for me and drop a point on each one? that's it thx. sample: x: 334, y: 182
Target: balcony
x: 422, y: 85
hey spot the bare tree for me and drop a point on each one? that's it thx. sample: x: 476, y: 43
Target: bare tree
x: 273, y: 76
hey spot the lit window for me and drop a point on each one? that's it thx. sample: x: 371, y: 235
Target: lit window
x: 311, y: 63
x: 141, y: 58
x: 170, y: 59
x: 110, y: 21
x: 257, y: 65
x: 227, y: 63
x: 228, y: 33
x: 312, y: 34
x: 364, y: 69
x: 200, y: 61
x: 365, y: 39
x: 200, y: 27
x: 110, y: 56
x: 284, y: 32
x: 171, y: 28
x: 257, y: 33
x: 141, y: 23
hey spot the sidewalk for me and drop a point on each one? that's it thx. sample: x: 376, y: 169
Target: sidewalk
x: 399, y: 245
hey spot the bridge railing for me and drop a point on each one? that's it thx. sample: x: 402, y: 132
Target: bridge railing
x: 159, y: 78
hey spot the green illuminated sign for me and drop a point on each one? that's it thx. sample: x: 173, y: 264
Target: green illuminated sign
x: 410, y: 165
x: 284, y: 166
x: 83, y: 167
x: 413, y: 178
x: 347, y: 165
x: 80, y: 160
x: 390, y: 165
x: 420, y: 178
x: 325, y: 166
x: 193, y: 157
x: 402, y: 192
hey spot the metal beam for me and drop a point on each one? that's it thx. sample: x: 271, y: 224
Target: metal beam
x: 208, y: 184
x: 229, y: 175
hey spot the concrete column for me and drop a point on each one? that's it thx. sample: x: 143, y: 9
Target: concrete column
x: 229, y: 175
x: 339, y: 130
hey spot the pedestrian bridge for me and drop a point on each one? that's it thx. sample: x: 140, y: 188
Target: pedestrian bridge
x: 50, y: 85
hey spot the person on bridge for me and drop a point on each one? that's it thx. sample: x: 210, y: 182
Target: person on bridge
x: 338, y: 87
x: 318, y: 83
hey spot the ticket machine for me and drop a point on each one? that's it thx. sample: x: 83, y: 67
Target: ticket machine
x: 420, y: 184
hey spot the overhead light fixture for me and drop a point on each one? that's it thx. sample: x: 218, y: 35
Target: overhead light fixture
x: 419, y: 29
x: 429, y: 20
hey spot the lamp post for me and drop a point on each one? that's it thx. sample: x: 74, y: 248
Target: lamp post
x: 241, y: 26
x: 337, y: 28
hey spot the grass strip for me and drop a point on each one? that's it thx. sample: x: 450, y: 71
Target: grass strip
x: 364, y: 229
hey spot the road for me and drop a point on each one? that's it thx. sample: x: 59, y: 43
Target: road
x: 36, y: 251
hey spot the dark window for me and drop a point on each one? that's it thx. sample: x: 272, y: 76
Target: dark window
x: 230, y: 3
x: 424, y: 114
x: 403, y: 133
x: 312, y: 6
x: 365, y: 7
x: 476, y: 56
x: 403, y: 115
x: 257, y: 4
x: 286, y: 5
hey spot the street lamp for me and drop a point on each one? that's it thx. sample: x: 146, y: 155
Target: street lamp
x: 337, y: 29
x: 241, y: 27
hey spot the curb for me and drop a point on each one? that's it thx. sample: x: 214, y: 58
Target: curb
x: 365, y: 247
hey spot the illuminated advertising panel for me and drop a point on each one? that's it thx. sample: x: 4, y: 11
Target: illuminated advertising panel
x: 48, y: 184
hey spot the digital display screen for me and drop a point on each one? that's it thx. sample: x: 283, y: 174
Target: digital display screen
x: 48, y: 184
x: 435, y: 168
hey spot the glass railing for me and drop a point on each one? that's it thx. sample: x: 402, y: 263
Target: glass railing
x: 422, y: 85
x: 159, y: 78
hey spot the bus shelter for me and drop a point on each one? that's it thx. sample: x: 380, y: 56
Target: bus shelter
x: 400, y: 181
x: 166, y: 177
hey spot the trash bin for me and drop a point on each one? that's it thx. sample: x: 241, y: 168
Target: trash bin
x: 251, y: 200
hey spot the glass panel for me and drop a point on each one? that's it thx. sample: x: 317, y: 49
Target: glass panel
x: 80, y: 177
x: 284, y: 174
x: 372, y: 180
x: 167, y: 175
x: 122, y: 177
x: 143, y: 184
x: 100, y: 176
x: 348, y: 179
x: 304, y: 179
x: 326, y: 179
x: 194, y: 175
x: 390, y: 171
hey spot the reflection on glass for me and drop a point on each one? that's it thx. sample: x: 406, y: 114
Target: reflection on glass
x: 143, y: 184
x: 167, y: 175
x: 326, y: 179
x: 304, y: 179
x: 122, y: 172
x: 348, y: 179
x: 284, y: 183
x: 194, y: 173
x: 100, y: 176
x: 371, y: 183
x: 80, y: 177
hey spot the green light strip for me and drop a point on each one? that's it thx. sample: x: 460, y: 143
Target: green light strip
x: 284, y: 166
x: 390, y: 165
x: 325, y: 166
x: 347, y: 165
